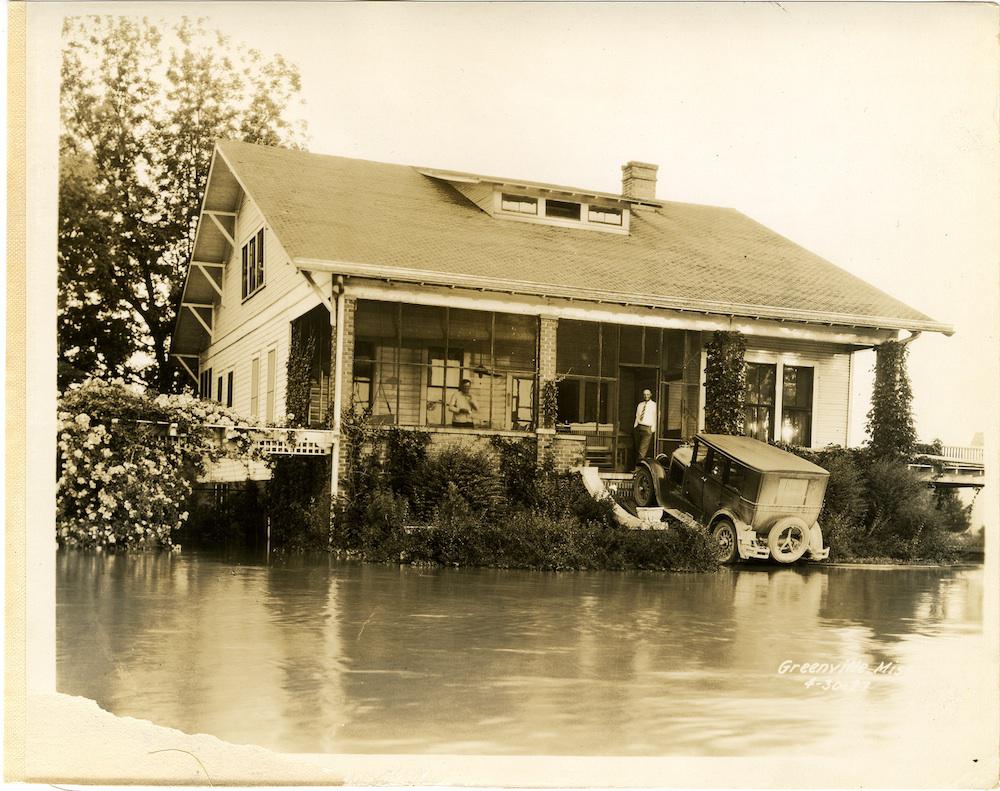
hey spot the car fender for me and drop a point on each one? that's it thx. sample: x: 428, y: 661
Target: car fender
x: 729, y: 514
x: 816, y: 551
x: 746, y: 536
x: 659, y: 473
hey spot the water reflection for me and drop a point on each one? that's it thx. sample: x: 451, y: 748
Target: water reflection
x: 311, y: 654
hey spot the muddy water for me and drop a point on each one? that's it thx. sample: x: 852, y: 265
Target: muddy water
x: 317, y: 655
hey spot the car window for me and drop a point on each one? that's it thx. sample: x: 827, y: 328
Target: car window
x: 736, y: 476
x: 700, y: 452
x: 716, y: 466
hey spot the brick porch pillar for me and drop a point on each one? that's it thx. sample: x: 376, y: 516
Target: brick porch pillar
x: 347, y: 365
x: 546, y: 373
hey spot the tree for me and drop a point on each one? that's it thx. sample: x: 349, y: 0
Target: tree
x: 725, y: 383
x: 142, y: 106
x: 890, y: 420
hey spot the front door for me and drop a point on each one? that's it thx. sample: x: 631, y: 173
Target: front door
x: 670, y: 416
x: 632, y: 380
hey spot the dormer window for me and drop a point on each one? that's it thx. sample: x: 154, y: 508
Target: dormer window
x: 522, y: 204
x: 604, y: 215
x: 563, y: 210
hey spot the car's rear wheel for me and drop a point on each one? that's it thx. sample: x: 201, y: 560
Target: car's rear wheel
x: 724, y: 534
x: 643, y: 488
x: 788, y: 540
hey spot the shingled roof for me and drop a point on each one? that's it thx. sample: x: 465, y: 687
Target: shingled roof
x: 372, y: 217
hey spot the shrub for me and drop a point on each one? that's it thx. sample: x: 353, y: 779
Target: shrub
x: 846, y: 489
x: 530, y: 539
x: 473, y: 472
x: 123, y: 480
x: 955, y: 517
x: 876, y: 507
x: 901, y: 521
x: 297, y: 502
x: 381, y: 535
x: 562, y: 494
x: 405, y: 456
x: 518, y: 468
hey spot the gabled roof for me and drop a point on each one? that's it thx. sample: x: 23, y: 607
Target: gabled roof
x: 358, y: 217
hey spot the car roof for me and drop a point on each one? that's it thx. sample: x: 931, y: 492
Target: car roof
x: 759, y: 455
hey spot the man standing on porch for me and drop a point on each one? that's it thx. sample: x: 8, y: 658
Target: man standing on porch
x: 645, y: 425
x: 462, y: 405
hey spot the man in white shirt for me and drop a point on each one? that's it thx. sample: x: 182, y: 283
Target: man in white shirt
x: 645, y: 424
x: 461, y: 405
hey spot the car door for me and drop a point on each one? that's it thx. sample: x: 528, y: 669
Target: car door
x: 715, y: 468
x: 694, y: 480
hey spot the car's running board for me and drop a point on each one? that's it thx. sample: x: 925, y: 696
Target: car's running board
x: 681, y: 516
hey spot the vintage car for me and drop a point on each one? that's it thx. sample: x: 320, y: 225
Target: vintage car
x: 757, y: 500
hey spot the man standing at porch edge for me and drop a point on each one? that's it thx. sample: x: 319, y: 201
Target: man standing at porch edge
x: 645, y: 424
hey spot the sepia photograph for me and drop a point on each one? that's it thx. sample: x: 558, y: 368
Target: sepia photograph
x: 519, y: 395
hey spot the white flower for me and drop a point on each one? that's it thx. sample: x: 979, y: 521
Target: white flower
x: 83, y: 419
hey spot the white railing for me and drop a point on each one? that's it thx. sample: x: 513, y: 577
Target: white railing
x: 272, y: 440
x: 965, y: 453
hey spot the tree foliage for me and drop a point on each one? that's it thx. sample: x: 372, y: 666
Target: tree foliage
x: 890, y: 420
x: 725, y: 383
x: 141, y: 106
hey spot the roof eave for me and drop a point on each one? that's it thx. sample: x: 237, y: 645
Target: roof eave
x: 428, y: 277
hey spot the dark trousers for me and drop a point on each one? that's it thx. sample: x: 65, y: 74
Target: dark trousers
x: 643, y: 440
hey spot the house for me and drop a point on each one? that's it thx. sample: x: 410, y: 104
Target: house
x: 416, y: 284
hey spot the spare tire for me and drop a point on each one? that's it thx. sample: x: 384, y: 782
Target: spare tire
x: 788, y: 539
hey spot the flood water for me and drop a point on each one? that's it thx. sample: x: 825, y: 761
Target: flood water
x: 317, y: 655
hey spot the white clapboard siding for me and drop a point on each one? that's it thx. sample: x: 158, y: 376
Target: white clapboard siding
x: 831, y: 380
x: 244, y: 329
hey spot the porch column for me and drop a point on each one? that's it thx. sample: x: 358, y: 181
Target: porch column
x: 546, y: 374
x: 342, y: 376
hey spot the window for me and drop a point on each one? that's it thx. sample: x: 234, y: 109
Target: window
x: 758, y: 412
x: 229, y: 389
x: 700, y: 453
x: 205, y: 384
x: 587, y: 361
x: 364, y: 370
x: 253, y: 264
x: 736, y: 476
x: 717, y: 467
x: 522, y: 204
x: 218, y: 391
x: 796, y: 405
x: 272, y: 357
x: 410, y: 362
x: 563, y: 210
x: 604, y: 215
x: 255, y: 387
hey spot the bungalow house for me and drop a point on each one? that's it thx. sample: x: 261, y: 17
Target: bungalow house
x: 415, y: 283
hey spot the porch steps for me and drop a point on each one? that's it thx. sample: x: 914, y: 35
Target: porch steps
x: 596, y: 484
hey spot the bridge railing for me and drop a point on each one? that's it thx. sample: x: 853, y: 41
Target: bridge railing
x: 966, y: 453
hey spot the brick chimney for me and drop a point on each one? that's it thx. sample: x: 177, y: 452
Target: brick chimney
x: 639, y: 180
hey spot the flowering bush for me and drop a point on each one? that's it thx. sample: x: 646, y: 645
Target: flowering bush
x: 127, y: 462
